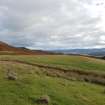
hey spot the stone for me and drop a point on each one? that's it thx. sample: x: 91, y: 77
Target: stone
x: 44, y: 100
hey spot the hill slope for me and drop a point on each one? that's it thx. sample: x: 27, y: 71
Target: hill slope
x: 32, y: 82
x: 10, y: 50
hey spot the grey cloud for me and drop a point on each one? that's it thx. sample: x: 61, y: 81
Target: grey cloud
x: 48, y: 24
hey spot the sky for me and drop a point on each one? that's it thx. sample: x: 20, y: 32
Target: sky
x: 53, y: 24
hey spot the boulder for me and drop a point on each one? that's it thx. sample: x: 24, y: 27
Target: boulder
x: 44, y: 100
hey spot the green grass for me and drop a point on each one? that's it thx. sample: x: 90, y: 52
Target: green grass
x: 63, y: 61
x: 32, y: 83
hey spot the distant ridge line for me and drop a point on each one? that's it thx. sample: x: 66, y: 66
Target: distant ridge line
x: 11, y: 50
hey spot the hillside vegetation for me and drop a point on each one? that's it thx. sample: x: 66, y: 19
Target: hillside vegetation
x: 34, y: 81
x: 6, y: 49
x: 63, y: 61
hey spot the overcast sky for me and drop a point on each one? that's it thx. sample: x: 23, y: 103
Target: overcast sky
x: 53, y: 24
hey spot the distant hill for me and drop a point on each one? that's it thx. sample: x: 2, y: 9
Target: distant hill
x: 91, y: 52
x: 11, y: 50
x: 8, y: 49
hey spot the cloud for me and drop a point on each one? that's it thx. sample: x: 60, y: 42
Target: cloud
x: 51, y: 24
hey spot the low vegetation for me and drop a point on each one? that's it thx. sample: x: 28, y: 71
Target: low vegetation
x: 34, y: 85
x: 62, y: 61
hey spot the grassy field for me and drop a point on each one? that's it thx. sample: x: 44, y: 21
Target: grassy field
x: 62, y: 61
x: 32, y: 82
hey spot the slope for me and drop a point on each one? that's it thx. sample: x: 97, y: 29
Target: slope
x: 32, y: 83
x: 6, y: 49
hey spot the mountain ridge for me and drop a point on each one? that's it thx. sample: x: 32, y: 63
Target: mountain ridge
x: 4, y: 48
x: 91, y: 52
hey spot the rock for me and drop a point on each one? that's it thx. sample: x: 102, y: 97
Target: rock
x: 11, y: 76
x: 44, y: 100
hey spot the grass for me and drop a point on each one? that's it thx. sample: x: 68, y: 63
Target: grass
x: 32, y: 84
x: 63, y: 61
